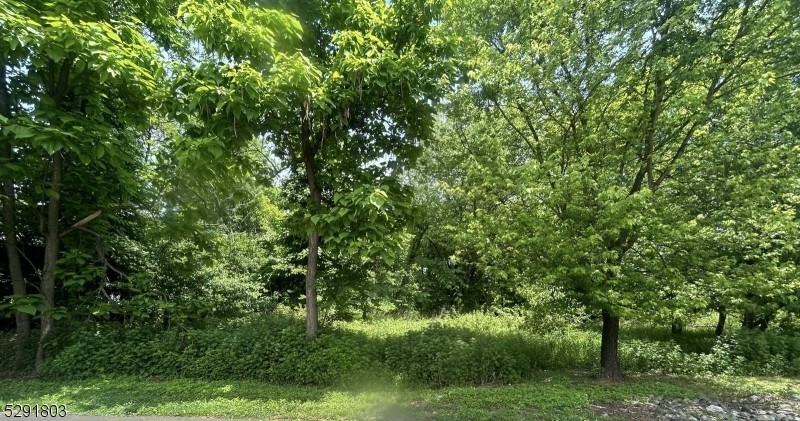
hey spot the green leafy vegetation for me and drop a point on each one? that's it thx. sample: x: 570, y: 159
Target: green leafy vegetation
x: 556, y: 396
x: 467, y: 350
x: 440, y: 197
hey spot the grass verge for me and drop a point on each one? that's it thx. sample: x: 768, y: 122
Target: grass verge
x: 547, y: 396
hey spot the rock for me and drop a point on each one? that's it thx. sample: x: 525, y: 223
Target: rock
x: 751, y: 408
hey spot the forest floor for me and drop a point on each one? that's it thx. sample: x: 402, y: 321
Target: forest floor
x: 568, y: 396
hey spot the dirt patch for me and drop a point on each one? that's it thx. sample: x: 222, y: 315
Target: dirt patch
x: 631, y: 411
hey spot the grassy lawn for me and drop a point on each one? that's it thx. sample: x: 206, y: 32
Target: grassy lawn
x: 549, y: 396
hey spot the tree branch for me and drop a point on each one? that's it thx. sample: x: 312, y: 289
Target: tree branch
x: 80, y: 223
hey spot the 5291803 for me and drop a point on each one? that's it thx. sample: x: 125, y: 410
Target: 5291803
x: 24, y: 410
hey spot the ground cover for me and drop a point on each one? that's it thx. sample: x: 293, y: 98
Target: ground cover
x: 561, y: 395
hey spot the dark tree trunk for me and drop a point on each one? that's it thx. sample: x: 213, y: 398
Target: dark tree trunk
x: 14, y: 264
x: 763, y: 321
x: 51, y: 250
x: 749, y: 319
x: 609, y: 360
x: 312, y: 316
x: 9, y: 223
x: 721, y: 322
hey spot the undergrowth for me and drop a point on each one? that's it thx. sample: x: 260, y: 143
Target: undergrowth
x: 471, y: 349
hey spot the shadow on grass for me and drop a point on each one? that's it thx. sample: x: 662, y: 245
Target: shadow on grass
x: 131, y: 396
x: 547, y: 396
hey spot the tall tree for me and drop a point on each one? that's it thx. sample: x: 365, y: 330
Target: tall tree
x: 596, y: 108
x: 11, y: 57
x: 80, y: 87
x: 357, y: 101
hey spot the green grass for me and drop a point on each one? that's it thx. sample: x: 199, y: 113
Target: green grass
x: 547, y: 396
x: 570, y: 349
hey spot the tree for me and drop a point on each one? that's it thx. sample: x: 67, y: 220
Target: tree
x: 9, y: 208
x: 79, y: 85
x: 595, y: 110
x: 355, y: 101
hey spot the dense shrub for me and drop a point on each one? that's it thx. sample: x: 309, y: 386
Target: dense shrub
x: 6, y: 352
x: 442, y: 356
x: 744, y: 353
x: 271, y: 350
x: 765, y: 353
x: 9, y: 365
x: 469, y: 349
x: 668, y: 358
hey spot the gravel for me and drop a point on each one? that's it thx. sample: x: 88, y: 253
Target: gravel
x: 755, y: 407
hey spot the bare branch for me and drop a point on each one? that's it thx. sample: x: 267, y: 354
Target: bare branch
x: 513, y: 126
x: 35, y: 269
x: 80, y: 223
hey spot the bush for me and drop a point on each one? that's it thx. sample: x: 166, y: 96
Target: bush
x: 470, y: 349
x: 9, y: 365
x: 270, y: 350
x: 444, y: 356
x: 668, y: 358
x: 765, y: 353
x: 744, y: 353
x: 7, y: 352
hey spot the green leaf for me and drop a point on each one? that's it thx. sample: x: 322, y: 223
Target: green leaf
x: 21, y: 132
x: 51, y: 146
x: 26, y: 308
x: 377, y: 200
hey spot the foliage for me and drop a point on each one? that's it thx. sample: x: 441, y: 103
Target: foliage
x: 562, y: 396
x: 273, y: 350
x: 174, y: 172
x: 576, y: 146
x: 472, y: 349
x: 440, y: 356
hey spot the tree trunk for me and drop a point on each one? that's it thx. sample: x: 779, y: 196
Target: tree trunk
x: 9, y: 223
x: 763, y: 321
x: 312, y: 316
x: 51, y: 250
x: 749, y: 319
x: 14, y: 264
x: 677, y: 327
x: 609, y: 360
x: 721, y: 322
